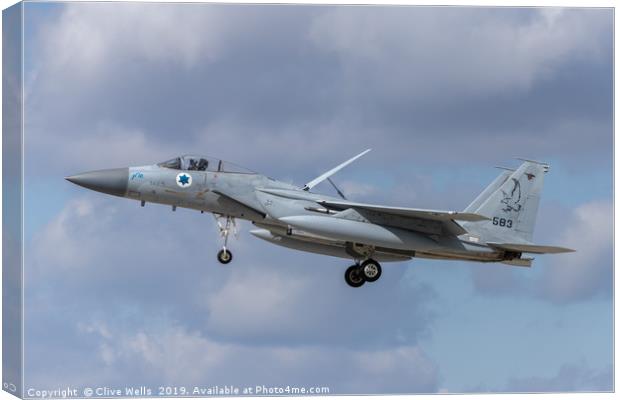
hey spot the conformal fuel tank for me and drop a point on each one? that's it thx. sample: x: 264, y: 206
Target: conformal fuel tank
x: 321, y: 248
x: 361, y: 232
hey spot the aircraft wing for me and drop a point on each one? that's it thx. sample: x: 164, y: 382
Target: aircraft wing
x: 246, y: 208
x: 530, y: 248
x: 407, y: 212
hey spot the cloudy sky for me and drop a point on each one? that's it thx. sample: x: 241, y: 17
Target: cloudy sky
x: 117, y: 294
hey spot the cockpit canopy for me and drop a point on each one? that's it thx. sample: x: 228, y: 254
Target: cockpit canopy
x: 203, y: 163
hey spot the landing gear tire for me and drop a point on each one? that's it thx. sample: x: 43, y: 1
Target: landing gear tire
x: 370, y: 270
x: 224, y: 256
x: 353, y: 276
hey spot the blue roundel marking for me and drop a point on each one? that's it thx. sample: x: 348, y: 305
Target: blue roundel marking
x: 184, y: 179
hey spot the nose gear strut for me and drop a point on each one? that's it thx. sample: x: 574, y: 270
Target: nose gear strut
x: 224, y: 256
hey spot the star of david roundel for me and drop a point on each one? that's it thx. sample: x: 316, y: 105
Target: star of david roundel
x: 184, y: 180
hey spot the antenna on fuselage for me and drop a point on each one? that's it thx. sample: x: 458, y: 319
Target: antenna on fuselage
x: 332, y: 171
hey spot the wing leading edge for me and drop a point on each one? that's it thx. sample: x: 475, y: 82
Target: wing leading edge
x: 435, y: 215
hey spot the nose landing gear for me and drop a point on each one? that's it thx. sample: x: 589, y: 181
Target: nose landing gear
x: 358, y: 274
x: 224, y: 256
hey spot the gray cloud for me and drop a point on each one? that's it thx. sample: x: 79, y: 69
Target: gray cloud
x: 288, y: 91
x: 588, y: 272
x: 529, y: 81
x: 149, y: 294
x: 571, y: 277
x: 496, y: 50
x: 176, y: 355
x: 571, y: 377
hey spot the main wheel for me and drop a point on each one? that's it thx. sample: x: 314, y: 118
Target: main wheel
x: 353, y: 276
x: 224, y: 256
x: 371, y: 270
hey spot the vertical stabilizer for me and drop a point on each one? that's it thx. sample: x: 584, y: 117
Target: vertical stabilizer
x: 501, y: 178
x: 512, y: 207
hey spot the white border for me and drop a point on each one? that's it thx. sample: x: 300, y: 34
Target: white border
x: 506, y: 3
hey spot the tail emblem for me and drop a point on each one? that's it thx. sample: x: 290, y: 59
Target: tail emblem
x: 511, y: 199
x: 530, y: 176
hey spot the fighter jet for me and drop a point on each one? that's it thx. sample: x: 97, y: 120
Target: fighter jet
x: 496, y: 227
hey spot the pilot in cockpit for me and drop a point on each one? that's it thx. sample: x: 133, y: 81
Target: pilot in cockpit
x: 202, y: 164
x: 192, y: 165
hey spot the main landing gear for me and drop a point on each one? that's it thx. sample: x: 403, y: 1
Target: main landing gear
x: 224, y: 256
x: 358, y: 274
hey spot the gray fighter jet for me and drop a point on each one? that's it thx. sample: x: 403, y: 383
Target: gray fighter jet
x: 496, y: 227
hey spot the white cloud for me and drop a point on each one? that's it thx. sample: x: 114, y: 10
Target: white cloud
x: 302, y: 299
x: 337, y: 78
x: 256, y: 302
x: 60, y: 243
x: 587, y: 272
x: 117, y: 85
x: 97, y: 327
x: 570, y: 377
x: 197, y: 318
x: 112, y: 146
x: 436, y: 51
x: 567, y: 277
x: 175, y: 354
x: 302, y: 144
x: 356, y: 189
x: 105, y: 145
x: 91, y: 36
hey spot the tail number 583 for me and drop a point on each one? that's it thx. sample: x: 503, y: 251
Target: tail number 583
x: 502, y: 222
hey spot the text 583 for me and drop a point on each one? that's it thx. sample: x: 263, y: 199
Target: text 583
x: 502, y: 222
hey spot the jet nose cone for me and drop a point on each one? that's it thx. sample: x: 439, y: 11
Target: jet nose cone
x: 109, y: 181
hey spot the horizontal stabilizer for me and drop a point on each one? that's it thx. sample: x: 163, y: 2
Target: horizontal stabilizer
x: 403, y: 211
x: 530, y: 248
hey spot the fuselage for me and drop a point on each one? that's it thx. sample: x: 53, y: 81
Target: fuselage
x: 496, y: 227
x: 285, y: 214
x: 204, y: 192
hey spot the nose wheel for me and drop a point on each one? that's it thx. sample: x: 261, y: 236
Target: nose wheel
x: 358, y: 274
x: 224, y: 256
